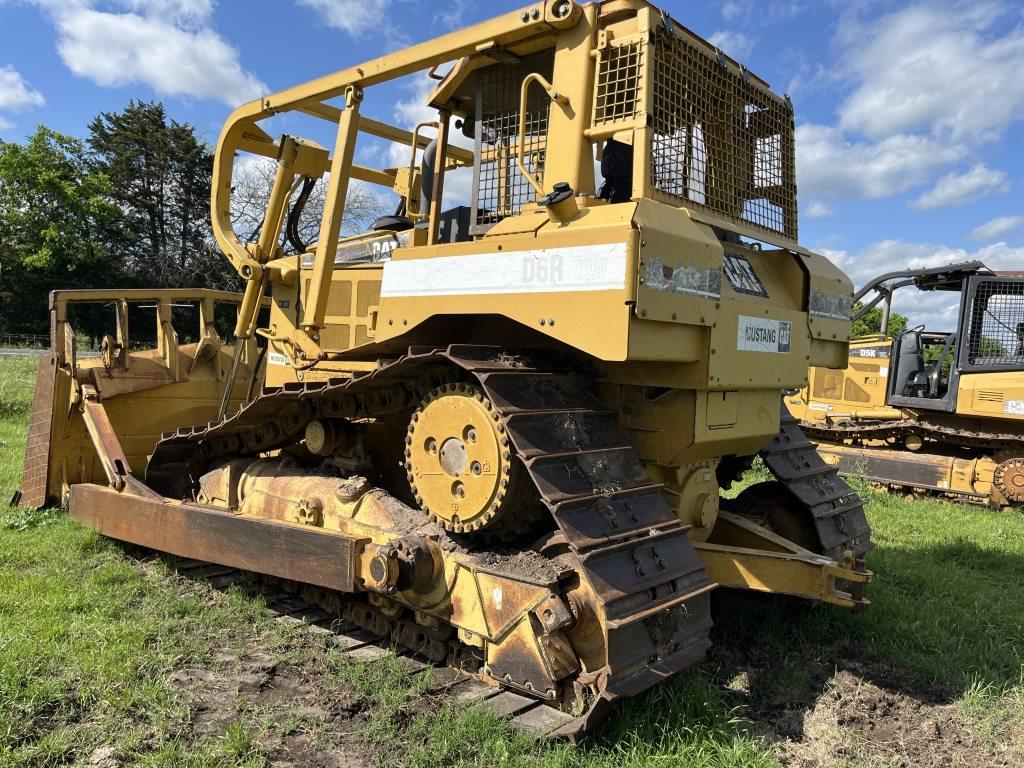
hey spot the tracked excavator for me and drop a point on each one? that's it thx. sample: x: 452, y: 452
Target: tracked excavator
x: 496, y: 434
x: 938, y: 412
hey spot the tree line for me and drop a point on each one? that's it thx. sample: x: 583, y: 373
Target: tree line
x: 125, y: 206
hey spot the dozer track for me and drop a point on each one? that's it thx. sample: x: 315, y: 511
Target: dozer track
x: 315, y: 612
x: 614, y: 527
x: 835, y: 508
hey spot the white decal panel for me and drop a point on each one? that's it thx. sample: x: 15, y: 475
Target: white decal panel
x: 1014, y: 407
x: 762, y: 334
x: 548, y: 270
x: 824, y: 407
x: 276, y: 358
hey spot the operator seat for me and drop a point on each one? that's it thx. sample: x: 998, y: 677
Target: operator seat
x: 913, y: 381
x: 394, y: 223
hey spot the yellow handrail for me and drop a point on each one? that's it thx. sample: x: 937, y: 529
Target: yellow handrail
x: 560, y: 99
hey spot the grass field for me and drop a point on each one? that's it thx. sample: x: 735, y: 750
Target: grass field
x: 109, y: 658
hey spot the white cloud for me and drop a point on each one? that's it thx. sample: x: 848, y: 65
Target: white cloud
x: 949, y: 69
x: 735, y: 44
x: 929, y: 85
x: 936, y: 310
x: 831, y: 167
x: 353, y: 16
x: 996, y: 228
x: 957, y: 189
x: 15, y: 92
x: 735, y: 8
x: 165, y: 44
x: 452, y: 16
x: 16, y: 95
x: 198, y: 10
x: 819, y: 210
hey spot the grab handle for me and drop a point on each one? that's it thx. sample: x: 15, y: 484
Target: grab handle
x: 555, y: 96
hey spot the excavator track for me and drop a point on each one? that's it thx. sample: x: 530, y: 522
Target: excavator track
x: 900, y: 430
x: 1006, y: 450
x: 836, y: 510
x: 613, y: 526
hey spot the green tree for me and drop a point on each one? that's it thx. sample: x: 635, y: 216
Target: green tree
x: 871, y: 322
x: 56, y: 223
x: 160, y: 173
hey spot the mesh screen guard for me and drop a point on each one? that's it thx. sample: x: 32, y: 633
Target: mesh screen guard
x: 995, y: 325
x: 719, y: 141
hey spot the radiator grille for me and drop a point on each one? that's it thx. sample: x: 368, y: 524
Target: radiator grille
x: 500, y: 190
x: 720, y: 142
x: 995, y: 337
x: 827, y: 384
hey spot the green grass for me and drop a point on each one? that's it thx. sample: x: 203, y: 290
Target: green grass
x: 17, y: 379
x: 90, y: 643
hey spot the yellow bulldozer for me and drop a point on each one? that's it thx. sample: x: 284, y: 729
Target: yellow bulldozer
x: 930, y: 411
x: 496, y: 434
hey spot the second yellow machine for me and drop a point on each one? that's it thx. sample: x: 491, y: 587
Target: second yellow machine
x: 498, y: 433
x: 934, y: 411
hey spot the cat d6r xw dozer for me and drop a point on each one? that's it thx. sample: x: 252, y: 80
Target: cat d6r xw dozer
x: 940, y: 412
x: 498, y: 433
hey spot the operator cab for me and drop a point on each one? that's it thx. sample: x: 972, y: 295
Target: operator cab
x: 926, y: 366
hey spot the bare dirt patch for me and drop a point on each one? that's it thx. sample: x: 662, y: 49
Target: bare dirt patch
x: 856, y: 721
x: 277, y: 686
x: 827, y: 706
x: 302, y: 721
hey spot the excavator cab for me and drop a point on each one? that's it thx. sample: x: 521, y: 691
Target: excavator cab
x: 927, y: 365
x: 954, y: 399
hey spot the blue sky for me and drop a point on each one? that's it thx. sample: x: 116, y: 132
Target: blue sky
x: 910, y: 115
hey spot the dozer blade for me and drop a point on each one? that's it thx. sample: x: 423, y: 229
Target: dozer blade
x: 97, y: 418
x: 967, y: 479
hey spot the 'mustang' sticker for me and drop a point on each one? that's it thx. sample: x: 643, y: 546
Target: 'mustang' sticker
x: 761, y: 334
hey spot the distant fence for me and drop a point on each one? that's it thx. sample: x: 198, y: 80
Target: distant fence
x: 35, y: 344
x: 25, y: 340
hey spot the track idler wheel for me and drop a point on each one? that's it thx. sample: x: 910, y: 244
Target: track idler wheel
x: 460, y: 463
x: 772, y: 502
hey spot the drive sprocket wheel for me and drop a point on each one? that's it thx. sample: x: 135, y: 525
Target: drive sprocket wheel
x: 1009, y: 479
x: 459, y: 462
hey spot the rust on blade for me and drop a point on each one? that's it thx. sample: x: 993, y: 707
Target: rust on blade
x: 302, y: 554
